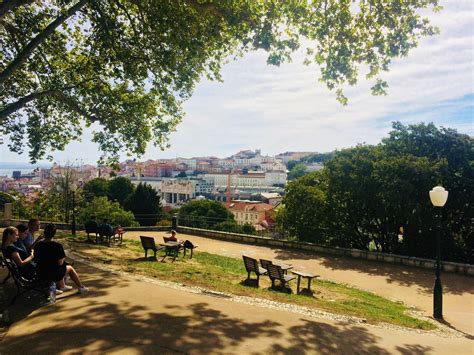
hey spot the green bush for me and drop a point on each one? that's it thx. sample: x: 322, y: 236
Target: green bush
x: 103, y: 208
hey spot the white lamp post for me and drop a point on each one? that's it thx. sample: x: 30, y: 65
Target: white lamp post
x: 438, y: 197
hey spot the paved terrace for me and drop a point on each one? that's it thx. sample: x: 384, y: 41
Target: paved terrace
x: 125, y: 315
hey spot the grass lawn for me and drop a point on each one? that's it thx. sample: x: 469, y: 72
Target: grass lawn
x: 226, y: 274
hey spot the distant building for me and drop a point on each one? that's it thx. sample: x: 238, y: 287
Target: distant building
x: 251, y: 212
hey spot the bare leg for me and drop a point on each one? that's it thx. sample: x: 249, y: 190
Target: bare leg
x: 60, y: 284
x: 74, y: 276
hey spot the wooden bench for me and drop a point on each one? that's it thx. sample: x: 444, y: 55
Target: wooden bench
x: 91, y: 228
x: 148, y: 243
x: 103, y: 235
x: 3, y: 264
x: 275, y: 272
x: 304, y: 275
x: 251, y: 265
x: 284, y: 267
x: 172, y: 247
x: 23, y: 284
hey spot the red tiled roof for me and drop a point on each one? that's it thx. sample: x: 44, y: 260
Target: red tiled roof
x: 258, y: 207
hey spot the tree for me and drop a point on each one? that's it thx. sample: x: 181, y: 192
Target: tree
x: 145, y: 204
x: 303, y: 214
x: 103, y: 208
x: 297, y: 171
x: 365, y: 195
x: 231, y: 226
x: 120, y: 188
x: 60, y: 189
x: 204, y: 214
x: 127, y: 66
x: 318, y: 157
x: 97, y: 187
x: 291, y: 164
x: 182, y: 174
x: 6, y: 198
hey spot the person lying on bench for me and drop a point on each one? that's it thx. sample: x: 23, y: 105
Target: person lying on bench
x: 51, y: 266
x: 20, y: 256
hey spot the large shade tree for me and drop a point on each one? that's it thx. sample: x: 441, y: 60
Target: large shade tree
x: 126, y: 66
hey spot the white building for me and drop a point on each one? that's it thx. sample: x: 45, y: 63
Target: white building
x: 251, y: 179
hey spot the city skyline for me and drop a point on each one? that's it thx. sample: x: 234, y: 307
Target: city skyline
x: 285, y: 108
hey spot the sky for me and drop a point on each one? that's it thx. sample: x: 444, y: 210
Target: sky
x: 286, y: 108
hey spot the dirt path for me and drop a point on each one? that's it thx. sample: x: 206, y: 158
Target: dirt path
x: 128, y: 316
x: 411, y: 285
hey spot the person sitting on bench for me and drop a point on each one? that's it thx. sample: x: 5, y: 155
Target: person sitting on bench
x: 51, y: 265
x: 33, y: 227
x: 20, y: 256
x: 173, y: 238
x: 22, y: 234
x: 106, y: 227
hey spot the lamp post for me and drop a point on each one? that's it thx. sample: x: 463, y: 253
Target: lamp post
x: 73, y: 188
x: 438, y: 197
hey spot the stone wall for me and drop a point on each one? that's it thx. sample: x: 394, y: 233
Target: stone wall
x: 464, y: 269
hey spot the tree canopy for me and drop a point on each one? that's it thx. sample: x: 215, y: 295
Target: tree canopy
x: 97, y: 187
x: 102, y: 208
x: 204, y: 214
x: 145, y: 204
x: 126, y: 66
x: 377, y: 196
x: 120, y: 188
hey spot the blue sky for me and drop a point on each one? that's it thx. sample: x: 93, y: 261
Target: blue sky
x: 286, y: 108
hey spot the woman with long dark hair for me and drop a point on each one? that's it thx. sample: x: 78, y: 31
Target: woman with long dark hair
x: 19, y: 255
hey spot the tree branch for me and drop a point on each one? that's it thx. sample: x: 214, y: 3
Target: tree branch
x: 17, y: 105
x: 9, y: 5
x: 73, y: 105
x: 35, y: 42
x: 57, y: 94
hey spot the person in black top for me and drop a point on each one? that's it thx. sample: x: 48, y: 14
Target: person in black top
x: 50, y: 262
x: 20, y: 256
x: 22, y: 234
x: 106, y: 228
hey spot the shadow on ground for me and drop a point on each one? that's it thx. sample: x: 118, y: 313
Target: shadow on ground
x: 400, y: 274
x: 100, y: 323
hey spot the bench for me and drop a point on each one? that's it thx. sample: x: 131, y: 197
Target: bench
x: 284, y: 267
x: 172, y: 247
x: 91, y: 228
x: 105, y: 235
x: 275, y: 272
x: 3, y: 264
x: 251, y: 265
x: 149, y: 243
x: 22, y: 283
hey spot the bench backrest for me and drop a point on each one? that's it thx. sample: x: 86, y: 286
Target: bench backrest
x: 148, y: 242
x: 251, y: 264
x: 169, y: 239
x: 265, y: 263
x: 275, y: 272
